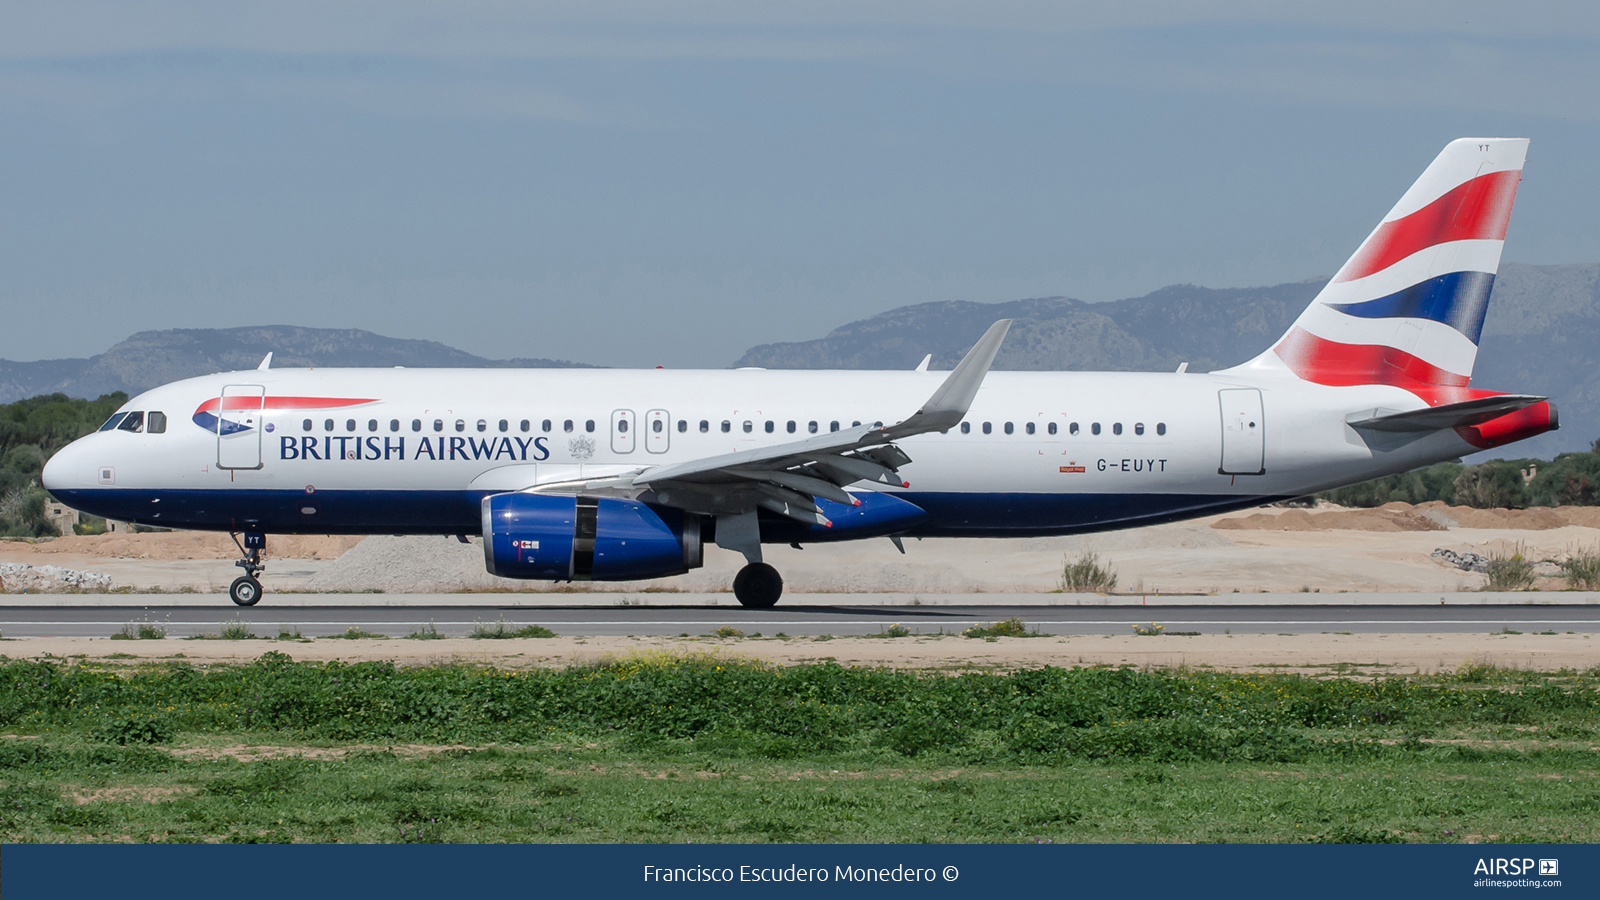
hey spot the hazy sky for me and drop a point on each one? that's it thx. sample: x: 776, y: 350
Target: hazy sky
x: 651, y: 183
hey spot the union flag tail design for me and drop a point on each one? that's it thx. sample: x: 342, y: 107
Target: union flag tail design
x: 1408, y: 307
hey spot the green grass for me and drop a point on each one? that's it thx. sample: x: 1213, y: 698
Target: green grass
x: 140, y: 631
x: 703, y: 749
x: 1012, y: 627
x: 357, y: 633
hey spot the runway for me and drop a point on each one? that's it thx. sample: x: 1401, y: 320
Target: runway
x: 460, y: 620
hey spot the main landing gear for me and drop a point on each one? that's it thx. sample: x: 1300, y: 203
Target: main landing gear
x: 246, y: 589
x: 758, y: 586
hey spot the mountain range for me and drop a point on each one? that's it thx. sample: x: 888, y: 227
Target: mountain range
x: 1540, y: 336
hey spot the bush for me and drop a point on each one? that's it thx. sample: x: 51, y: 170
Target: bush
x: 1012, y: 627
x: 428, y: 632
x: 140, y: 631
x: 135, y: 729
x: 1492, y: 485
x: 502, y: 629
x: 1513, y: 572
x: 1581, y: 568
x: 1086, y: 574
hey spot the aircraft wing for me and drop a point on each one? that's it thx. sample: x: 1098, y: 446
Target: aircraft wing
x: 788, y: 478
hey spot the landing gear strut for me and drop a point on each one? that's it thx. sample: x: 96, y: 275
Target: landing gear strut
x: 758, y: 586
x: 246, y: 589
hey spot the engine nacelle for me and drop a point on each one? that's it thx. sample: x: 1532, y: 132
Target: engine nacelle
x: 581, y: 538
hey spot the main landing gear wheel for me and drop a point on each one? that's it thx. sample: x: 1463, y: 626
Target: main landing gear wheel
x: 758, y: 586
x: 245, y: 590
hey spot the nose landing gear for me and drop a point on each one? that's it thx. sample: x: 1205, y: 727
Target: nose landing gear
x: 246, y: 589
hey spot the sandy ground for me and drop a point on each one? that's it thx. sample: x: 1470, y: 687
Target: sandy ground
x: 1269, y: 549
x: 1310, y: 653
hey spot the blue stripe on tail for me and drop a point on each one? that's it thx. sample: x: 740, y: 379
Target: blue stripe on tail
x: 1459, y: 299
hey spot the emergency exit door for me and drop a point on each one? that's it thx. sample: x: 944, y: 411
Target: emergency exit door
x: 1243, y: 433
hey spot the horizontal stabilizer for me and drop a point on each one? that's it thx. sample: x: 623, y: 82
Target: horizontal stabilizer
x: 1438, y: 418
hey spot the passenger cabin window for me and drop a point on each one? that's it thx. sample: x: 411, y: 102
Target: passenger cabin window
x: 504, y: 425
x: 1138, y: 428
x: 770, y: 424
x: 545, y: 425
x: 133, y: 422
x: 855, y: 424
x: 791, y: 426
x: 1052, y: 428
x: 349, y: 424
x: 811, y: 427
x: 1028, y: 428
x: 726, y: 426
x: 655, y: 425
x: 966, y: 427
x: 416, y: 424
x: 111, y: 423
x: 588, y: 426
x: 525, y: 425
x: 987, y: 428
x: 705, y: 426
x: 1095, y: 428
x: 306, y: 424
x: 327, y: 424
x: 394, y: 424
x: 1161, y: 428
x: 567, y: 426
x: 1073, y: 428
x: 461, y: 424
x: 156, y: 423
x: 683, y: 425
x: 833, y: 426
x: 438, y: 424
x: 1116, y: 428
x: 372, y: 424
x: 748, y: 426
x: 1008, y: 428
x: 622, y: 426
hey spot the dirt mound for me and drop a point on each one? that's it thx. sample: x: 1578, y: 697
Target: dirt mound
x: 1431, y: 516
x: 194, y: 545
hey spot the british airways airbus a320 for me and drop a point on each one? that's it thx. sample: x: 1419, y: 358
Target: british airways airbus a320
x: 615, y: 475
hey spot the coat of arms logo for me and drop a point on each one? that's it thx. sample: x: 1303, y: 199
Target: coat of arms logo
x: 581, y: 447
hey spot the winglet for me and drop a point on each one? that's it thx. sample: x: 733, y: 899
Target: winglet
x: 948, y: 405
x: 266, y: 363
x: 923, y: 366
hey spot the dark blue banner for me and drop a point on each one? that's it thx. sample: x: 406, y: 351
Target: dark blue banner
x: 344, y: 872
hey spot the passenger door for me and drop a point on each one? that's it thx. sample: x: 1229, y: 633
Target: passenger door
x: 1243, y: 433
x: 239, y: 426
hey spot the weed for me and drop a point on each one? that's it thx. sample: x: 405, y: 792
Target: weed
x: 1150, y: 630
x: 428, y: 632
x: 1012, y: 627
x: 1581, y: 568
x: 236, y: 630
x: 149, y: 728
x: 893, y: 631
x: 292, y: 634
x: 1513, y: 572
x: 727, y: 631
x: 1086, y: 574
x: 140, y: 631
x: 502, y: 630
x: 357, y: 633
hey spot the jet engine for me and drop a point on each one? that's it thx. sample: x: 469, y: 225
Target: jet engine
x: 586, y: 539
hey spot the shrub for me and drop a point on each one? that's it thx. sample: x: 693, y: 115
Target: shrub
x: 357, y: 633
x: 1012, y: 627
x: 1581, y: 568
x: 893, y: 631
x: 502, y: 630
x: 727, y: 631
x: 428, y: 632
x: 1492, y: 485
x: 140, y: 631
x: 1512, y: 572
x: 1086, y: 574
x: 1150, y: 630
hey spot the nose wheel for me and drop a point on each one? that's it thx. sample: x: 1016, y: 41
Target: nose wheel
x: 246, y: 589
x: 758, y: 586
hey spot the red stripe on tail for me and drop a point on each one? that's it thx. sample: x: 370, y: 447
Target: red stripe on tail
x: 1479, y: 210
x: 1341, y: 365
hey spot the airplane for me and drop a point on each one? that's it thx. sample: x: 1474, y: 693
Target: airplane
x: 618, y: 475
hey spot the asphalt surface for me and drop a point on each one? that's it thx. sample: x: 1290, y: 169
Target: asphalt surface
x: 265, y: 621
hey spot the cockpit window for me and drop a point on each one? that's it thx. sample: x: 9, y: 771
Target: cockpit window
x: 133, y: 422
x: 156, y: 423
x: 112, y: 422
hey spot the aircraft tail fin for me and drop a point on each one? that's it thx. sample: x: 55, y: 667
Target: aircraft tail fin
x: 1408, y: 308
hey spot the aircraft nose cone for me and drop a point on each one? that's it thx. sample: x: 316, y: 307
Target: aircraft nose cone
x: 66, y: 469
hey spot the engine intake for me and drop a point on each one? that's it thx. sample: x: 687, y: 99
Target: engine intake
x: 581, y: 538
